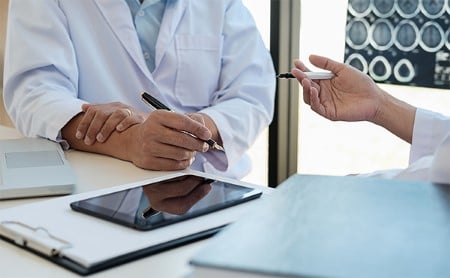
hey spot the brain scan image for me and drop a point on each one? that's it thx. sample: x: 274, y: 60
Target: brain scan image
x: 405, y: 42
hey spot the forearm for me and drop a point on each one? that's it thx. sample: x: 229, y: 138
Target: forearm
x: 396, y: 116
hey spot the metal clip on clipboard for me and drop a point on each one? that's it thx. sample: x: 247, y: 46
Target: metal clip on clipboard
x: 37, y: 239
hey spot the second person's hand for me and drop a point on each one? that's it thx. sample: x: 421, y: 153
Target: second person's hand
x: 350, y: 96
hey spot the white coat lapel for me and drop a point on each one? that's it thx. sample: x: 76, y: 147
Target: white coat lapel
x: 172, y: 16
x: 115, y: 13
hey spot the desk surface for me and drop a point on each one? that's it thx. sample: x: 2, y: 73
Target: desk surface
x: 93, y: 172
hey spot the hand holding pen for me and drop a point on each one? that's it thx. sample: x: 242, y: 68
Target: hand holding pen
x: 155, y: 103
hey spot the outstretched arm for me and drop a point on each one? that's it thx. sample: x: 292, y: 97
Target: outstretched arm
x: 353, y: 96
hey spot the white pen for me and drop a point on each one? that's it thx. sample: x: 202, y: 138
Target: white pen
x: 310, y: 74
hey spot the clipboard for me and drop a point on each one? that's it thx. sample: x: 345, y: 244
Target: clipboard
x: 65, y: 237
x: 50, y: 247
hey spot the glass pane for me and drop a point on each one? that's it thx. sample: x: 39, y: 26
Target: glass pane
x: 339, y: 148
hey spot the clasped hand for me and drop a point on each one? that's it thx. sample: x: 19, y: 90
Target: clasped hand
x: 160, y: 140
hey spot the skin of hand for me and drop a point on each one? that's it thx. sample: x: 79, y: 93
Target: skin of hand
x: 159, y: 143
x: 209, y: 123
x: 353, y: 96
x: 176, y: 196
x: 100, y: 120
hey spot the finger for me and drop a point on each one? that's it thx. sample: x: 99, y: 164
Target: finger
x: 84, y: 124
x: 133, y: 119
x: 196, y: 126
x: 316, y: 105
x: 162, y: 164
x: 306, y: 84
x: 185, y: 123
x: 200, y: 118
x: 164, y: 150
x: 325, y: 63
x: 300, y: 65
x: 197, y: 117
x: 178, y: 130
x: 110, y: 125
x: 187, y: 140
x: 300, y: 75
x: 86, y: 106
x: 95, y: 126
x: 171, y: 142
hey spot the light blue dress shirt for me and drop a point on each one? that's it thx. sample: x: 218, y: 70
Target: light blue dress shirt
x: 147, y: 20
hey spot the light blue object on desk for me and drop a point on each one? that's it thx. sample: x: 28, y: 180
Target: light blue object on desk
x: 323, y: 226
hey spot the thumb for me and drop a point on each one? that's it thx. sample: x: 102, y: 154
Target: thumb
x: 326, y: 63
x: 202, y: 131
x: 85, y: 106
x: 196, y: 117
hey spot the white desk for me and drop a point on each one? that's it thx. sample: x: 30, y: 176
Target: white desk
x: 93, y: 172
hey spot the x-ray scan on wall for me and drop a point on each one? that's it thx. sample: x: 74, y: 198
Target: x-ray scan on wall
x: 400, y: 41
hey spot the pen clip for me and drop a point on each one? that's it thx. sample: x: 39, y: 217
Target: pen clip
x: 153, y: 102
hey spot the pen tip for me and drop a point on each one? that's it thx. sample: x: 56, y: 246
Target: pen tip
x: 218, y: 147
x: 285, y: 75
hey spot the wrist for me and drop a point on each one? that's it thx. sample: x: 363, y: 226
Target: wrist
x: 383, y: 108
x: 130, y: 136
x: 396, y: 116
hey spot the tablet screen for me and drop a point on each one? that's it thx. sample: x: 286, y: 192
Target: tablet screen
x: 165, y: 202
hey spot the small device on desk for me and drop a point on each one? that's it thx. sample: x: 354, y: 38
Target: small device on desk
x: 162, y: 203
x: 33, y: 167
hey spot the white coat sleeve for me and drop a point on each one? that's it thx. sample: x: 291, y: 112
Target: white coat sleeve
x: 41, y: 74
x: 430, y: 129
x: 429, y: 154
x: 244, y: 106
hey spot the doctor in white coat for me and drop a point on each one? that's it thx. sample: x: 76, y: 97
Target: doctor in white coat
x: 354, y: 96
x: 210, y: 66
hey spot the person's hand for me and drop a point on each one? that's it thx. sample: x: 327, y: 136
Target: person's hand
x: 167, y: 141
x: 350, y: 96
x: 100, y: 120
x: 176, y: 196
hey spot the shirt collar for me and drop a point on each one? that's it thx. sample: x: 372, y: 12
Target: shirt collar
x: 148, y: 3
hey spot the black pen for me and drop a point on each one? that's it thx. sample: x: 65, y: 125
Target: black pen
x: 309, y: 74
x: 150, y: 100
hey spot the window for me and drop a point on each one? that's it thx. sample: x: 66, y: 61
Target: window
x: 339, y: 148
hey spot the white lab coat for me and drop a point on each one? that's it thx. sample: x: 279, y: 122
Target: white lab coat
x: 209, y: 58
x: 429, y: 158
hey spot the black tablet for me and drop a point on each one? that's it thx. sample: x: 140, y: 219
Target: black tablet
x: 165, y: 202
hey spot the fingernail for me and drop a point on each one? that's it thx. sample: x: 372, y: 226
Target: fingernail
x: 192, y: 160
x: 87, y: 141
x: 205, y: 147
x: 100, y: 138
x: 119, y: 127
x: 78, y: 134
